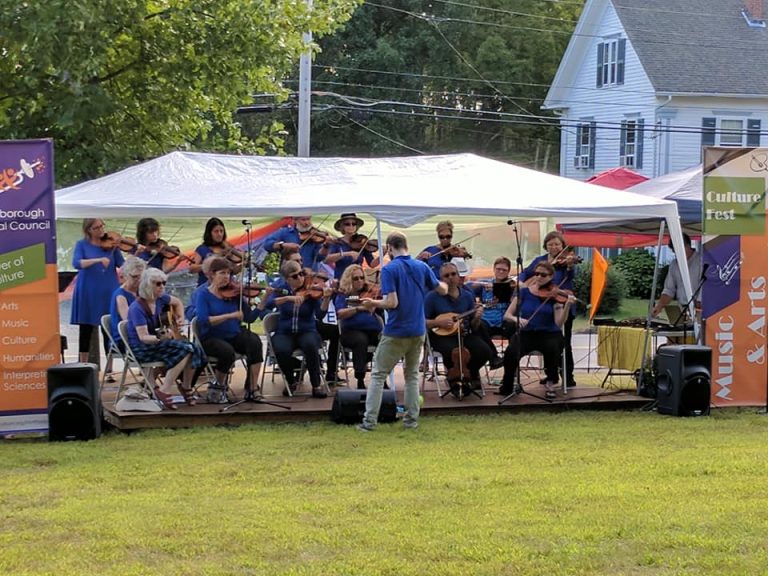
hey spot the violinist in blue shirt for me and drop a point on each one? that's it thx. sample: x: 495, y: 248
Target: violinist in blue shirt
x: 301, y: 237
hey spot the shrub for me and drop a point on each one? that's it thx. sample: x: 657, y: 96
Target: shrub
x: 637, y: 268
x: 615, y: 290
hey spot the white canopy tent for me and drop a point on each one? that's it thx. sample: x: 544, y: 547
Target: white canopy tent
x: 399, y: 191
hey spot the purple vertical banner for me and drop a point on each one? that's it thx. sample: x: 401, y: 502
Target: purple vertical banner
x: 29, y: 307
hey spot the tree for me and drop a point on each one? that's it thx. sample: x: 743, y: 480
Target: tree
x: 439, y: 76
x: 114, y: 83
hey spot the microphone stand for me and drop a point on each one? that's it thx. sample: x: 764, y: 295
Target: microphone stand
x: 517, y: 387
x: 685, y: 313
x: 248, y: 395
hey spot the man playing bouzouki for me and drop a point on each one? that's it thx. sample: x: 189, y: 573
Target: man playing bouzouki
x: 447, y: 315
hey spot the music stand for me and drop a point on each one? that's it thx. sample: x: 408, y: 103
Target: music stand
x: 517, y: 386
x: 249, y: 397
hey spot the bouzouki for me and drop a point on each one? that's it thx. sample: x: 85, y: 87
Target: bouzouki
x: 456, y: 318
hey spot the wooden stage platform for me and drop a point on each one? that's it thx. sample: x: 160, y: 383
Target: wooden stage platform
x: 303, y: 407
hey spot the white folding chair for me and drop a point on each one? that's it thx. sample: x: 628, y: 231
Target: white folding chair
x: 433, y: 361
x: 149, y: 370
x: 212, y: 360
x: 269, y: 324
x: 113, y: 353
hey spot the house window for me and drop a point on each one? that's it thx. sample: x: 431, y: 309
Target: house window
x: 610, y: 62
x: 631, y: 146
x: 584, y: 156
x: 730, y: 131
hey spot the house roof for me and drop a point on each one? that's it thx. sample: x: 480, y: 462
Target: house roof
x: 697, y: 46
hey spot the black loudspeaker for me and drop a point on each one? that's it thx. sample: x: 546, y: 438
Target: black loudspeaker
x: 349, y: 406
x: 74, y: 405
x: 683, y: 380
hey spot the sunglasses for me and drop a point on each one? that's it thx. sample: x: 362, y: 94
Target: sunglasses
x: 296, y: 276
x: 441, y: 237
x: 449, y: 274
x: 349, y: 223
x: 358, y: 277
x: 161, y: 283
x: 542, y: 274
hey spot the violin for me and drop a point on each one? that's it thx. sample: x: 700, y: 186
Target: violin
x: 458, y: 251
x: 566, y: 259
x: 553, y: 292
x: 359, y: 242
x: 229, y: 252
x: 111, y: 240
x: 235, y: 290
x: 164, y: 250
x: 169, y: 328
x: 317, y: 236
x: 458, y: 374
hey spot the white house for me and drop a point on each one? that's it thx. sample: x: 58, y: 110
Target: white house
x: 647, y: 83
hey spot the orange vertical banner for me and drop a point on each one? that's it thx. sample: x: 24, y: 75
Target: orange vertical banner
x: 599, y: 280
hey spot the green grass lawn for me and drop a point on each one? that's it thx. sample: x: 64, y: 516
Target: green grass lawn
x: 556, y: 493
x: 629, y: 309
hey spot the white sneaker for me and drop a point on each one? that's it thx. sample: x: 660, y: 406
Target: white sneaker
x: 364, y: 427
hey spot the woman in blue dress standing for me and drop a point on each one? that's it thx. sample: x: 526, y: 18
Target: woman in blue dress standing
x: 96, y: 281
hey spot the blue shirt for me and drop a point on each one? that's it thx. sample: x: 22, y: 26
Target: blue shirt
x: 95, y: 284
x: 293, y: 319
x: 139, y: 316
x: 361, y: 320
x: 543, y: 314
x: 436, y: 260
x: 563, y: 277
x: 411, y: 280
x: 310, y: 251
x: 345, y: 262
x: 435, y: 304
x: 203, y: 251
x: 207, y: 305
x: 115, y: 313
x: 493, y: 315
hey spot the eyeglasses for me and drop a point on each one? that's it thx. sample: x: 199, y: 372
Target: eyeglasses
x: 449, y: 274
x: 161, y: 283
x: 349, y: 223
x: 542, y: 274
x: 99, y: 227
x: 358, y: 277
x: 444, y: 237
x: 296, y: 276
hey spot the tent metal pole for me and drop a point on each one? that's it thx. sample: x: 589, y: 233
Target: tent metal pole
x: 650, y: 305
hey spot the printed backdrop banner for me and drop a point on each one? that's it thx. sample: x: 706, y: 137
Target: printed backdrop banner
x: 734, y: 290
x: 29, y: 307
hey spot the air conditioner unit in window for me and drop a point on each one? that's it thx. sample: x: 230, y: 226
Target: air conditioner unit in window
x: 628, y: 161
x: 582, y: 161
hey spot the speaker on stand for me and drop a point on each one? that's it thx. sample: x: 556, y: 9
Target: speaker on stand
x: 684, y: 380
x: 74, y: 402
x: 349, y: 406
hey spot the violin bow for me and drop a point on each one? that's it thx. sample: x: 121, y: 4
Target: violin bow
x: 456, y: 244
x: 316, y: 228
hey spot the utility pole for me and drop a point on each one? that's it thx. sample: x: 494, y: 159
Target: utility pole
x: 305, y: 91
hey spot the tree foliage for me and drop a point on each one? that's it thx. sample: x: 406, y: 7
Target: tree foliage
x: 615, y: 289
x: 117, y: 82
x: 407, y: 76
x: 637, y: 267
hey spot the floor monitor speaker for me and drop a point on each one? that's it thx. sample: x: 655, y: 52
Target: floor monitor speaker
x: 684, y: 380
x: 349, y: 406
x: 74, y: 405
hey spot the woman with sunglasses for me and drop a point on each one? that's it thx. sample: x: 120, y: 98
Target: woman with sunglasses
x: 437, y: 255
x: 150, y: 343
x: 360, y: 328
x: 341, y: 254
x: 299, y: 311
x: 220, y: 328
x: 541, y: 321
x: 125, y: 295
x: 459, y: 300
x: 96, y: 281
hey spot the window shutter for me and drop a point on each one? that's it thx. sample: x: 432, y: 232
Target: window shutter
x: 600, y: 64
x: 623, y: 142
x: 753, y: 132
x: 592, y: 138
x: 620, y: 61
x: 708, y: 126
x: 639, y: 137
